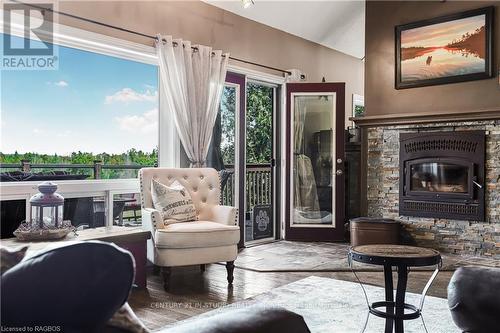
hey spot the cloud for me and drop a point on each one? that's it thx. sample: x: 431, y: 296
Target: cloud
x: 145, y: 123
x: 61, y: 83
x: 127, y: 95
x: 64, y: 134
x: 38, y: 131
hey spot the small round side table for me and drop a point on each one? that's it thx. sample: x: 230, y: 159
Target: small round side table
x: 403, y: 257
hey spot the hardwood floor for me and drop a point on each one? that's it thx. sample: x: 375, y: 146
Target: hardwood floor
x: 193, y: 292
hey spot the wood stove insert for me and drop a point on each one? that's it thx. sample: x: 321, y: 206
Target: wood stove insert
x: 442, y: 175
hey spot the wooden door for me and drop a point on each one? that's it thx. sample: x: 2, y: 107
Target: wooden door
x: 315, y: 178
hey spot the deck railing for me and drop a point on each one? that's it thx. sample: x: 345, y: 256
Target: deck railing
x: 96, y: 168
x: 258, y: 178
x: 259, y: 184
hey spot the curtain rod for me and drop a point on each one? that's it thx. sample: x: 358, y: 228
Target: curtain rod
x: 42, y: 9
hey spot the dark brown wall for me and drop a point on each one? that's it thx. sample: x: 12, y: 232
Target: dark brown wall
x: 381, y: 98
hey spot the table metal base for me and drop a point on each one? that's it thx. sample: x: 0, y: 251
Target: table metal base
x: 394, y: 313
x: 414, y: 314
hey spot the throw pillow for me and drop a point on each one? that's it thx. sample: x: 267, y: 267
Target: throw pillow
x: 174, y: 202
x: 9, y: 257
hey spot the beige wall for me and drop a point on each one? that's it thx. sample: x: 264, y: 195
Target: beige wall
x: 381, y: 98
x: 209, y: 25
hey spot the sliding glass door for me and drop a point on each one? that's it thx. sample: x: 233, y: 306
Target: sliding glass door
x: 260, y: 178
x: 243, y: 151
x: 224, y: 152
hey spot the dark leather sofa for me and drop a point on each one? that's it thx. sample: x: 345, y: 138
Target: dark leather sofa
x: 78, y: 287
x: 254, y: 319
x: 474, y: 299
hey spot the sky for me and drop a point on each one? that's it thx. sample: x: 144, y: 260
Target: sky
x: 92, y: 103
x: 441, y: 34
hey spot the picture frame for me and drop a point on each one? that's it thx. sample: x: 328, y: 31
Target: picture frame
x: 447, y: 49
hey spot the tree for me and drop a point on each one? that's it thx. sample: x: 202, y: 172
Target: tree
x: 259, y: 123
x: 132, y: 156
x: 227, y: 110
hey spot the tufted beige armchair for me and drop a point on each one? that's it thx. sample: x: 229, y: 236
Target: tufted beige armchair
x: 213, y: 238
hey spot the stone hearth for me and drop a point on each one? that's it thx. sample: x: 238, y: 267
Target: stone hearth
x: 461, y: 237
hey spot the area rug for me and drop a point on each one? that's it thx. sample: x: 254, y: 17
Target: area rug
x: 286, y: 256
x: 336, y: 306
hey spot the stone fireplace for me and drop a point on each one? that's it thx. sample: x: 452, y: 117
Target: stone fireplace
x: 472, y: 229
x: 442, y: 174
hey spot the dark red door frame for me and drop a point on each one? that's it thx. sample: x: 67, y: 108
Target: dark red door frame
x: 318, y: 234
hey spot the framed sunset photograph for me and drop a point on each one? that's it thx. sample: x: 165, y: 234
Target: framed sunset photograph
x: 447, y: 49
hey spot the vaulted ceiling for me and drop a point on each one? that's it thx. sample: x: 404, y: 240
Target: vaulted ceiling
x: 339, y: 25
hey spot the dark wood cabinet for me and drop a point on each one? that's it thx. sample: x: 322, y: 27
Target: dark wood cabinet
x: 353, y: 179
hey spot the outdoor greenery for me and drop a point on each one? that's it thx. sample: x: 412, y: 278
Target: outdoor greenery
x: 132, y: 156
x: 259, y: 120
x: 227, y: 112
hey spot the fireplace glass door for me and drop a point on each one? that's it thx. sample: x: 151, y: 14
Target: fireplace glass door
x: 440, y: 176
x: 443, y: 175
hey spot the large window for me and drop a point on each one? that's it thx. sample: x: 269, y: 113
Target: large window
x: 96, y: 112
x: 97, y: 117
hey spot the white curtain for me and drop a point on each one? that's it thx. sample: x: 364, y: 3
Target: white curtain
x: 304, y: 184
x: 191, y: 81
x: 299, y: 116
x: 300, y: 110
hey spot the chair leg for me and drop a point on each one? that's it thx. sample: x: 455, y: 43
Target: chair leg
x: 203, y: 267
x: 166, y: 272
x: 230, y: 270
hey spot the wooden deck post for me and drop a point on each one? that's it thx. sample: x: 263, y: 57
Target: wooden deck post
x: 97, y: 169
x: 25, y: 165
